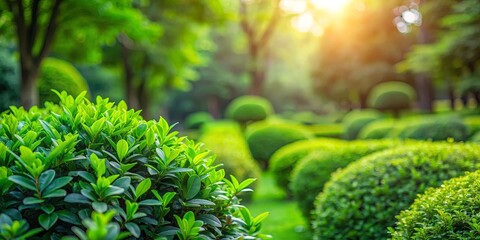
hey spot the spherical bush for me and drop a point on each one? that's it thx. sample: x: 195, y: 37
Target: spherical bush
x: 61, y: 76
x: 83, y: 170
x: 393, y: 96
x: 226, y: 141
x: 355, y: 120
x: 249, y: 108
x: 377, y: 129
x: 435, y: 128
x: 197, y: 120
x: 312, y: 172
x: 284, y: 159
x: 264, y: 138
x: 451, y: 211
x: 362, y: 200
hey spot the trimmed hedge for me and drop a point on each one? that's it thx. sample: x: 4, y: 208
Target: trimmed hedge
x: 86, y: 170
x: 394, y: 96
x: 473, y: 125
x: 197, y: 120
x: 61, y: 76
x: 435, y: 128
x: 312, y: 172
x: 362, y: 200
x: 249, y: 108
x: 355, y: 120
x: 284, y: 159
x: 449, y: 212
x: 264, y: 138
x: 226, y: 141
x: 333, y: 130
x: 378, y: 129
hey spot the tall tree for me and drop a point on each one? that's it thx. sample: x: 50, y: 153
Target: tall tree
x: 38, y: 23
x: 258, y: 27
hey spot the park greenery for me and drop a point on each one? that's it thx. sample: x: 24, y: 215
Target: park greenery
x: 239, y: 119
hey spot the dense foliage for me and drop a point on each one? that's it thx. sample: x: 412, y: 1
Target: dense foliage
x: 9, y: 80
x: 377, y: 129
x: 226, y: 141
x: 61, y: 76
x: 284, y: 159
x: 249, y: 108
x: 448, y: 212
x: 312, y: 172
x: 99, y: 171
x: 435, y: 128
x: 362, y: 200
x: 392, y: 96
x: 355, y: 120
x: 264, y: 138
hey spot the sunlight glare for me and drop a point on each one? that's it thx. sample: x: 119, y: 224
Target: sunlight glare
x: 293, y: 6
x: 331, y: 5
x: 304, y: 22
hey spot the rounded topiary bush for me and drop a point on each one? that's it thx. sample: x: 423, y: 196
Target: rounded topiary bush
x: 284, y: 159
x: 473, y: 125
x: 392, y: 96
x: 449, y: 212
x: 355, y: 120
x: 377, y: 129
x: 249, y: 108
x: 87, y: 170
x: 61, y: 76
x: 362, y: 200
x: 197, y: 120
x: 435, y: 128
x: 264, y: 138
x: 312, y: 172
x: 226, y: 141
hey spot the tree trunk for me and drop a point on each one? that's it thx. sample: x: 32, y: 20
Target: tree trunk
x: 128, y: 74
x: 29, y: 91
x: 450, y: 93
x: 362, y: 99
x: 213, y: 106
x: 424, y: 89
x: 144, y: 99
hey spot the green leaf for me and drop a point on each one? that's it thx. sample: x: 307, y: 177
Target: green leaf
x: 32, y: 200
x: 123, y: 182
x: 100, y: 207
x: 57, y: 184
x: 150, y: 202
x: 68, y: 217
x: 198, y: 201
x: 122, y: 149
x: 55, y: 193
x: 133, y: 228
x: 48, y: 208
x: 193, y: 187
x: 140, y: 130
x: 112, y: 190
x: 47, y: 220
x: 142, y: 187
x: 23, y: 181
x: 98, y: 165
x: 76, y: 198
x: 245, y: 183
x: 46, y: 178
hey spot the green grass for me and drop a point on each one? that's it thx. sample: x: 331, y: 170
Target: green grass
x: 285, y: 220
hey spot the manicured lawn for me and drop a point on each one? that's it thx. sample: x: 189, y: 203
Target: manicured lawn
x: 285, y: 220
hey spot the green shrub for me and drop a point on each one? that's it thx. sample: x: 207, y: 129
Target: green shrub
x: 435, y: 128
x: 362, y: 200
x: 197, y: 120
x: 135, y: 178
x: 377, y: 129
x: 392, y: 96
x: 249, y: 108
x: 475, y: 138
x: 449, y: 212
x: 355, y: 120
x: 9, y: 80
x: 473, y: 124
x: 226, y: 141
x: 264, y: 138
x: 333, y: 130
x: 312, y: 172
x: 284, y: 159
x: 61, y: 76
